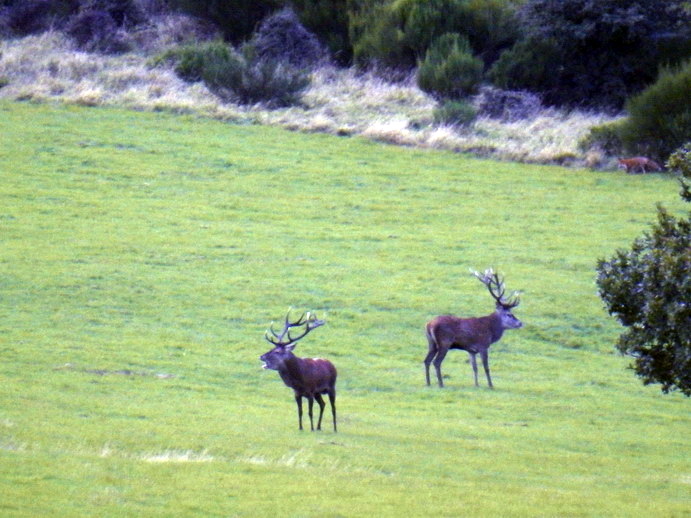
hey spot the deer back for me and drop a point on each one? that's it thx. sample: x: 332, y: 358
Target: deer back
x: 450, y: 331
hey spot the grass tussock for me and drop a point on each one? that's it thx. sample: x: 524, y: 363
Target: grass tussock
x: 342, y: 102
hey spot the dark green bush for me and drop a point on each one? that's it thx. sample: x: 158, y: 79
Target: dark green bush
x: 660, y: 117
x: 605, y: 137
x: 328, y: 20
x: 236, y: 19
x: 680, y: 163
x: 449, y: 70
x: 680, y: 160
x: 237, y: 77
x: 272, y: 83
x: 189, y: 61
x: 455, y: 113
x: 648, y: 289
x: 594, y: 53
x: 399, y: 33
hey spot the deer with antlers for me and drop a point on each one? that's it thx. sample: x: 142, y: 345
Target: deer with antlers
x: 474, y: 335
x: 308, y: 377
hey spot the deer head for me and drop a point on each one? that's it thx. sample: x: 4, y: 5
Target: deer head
x: 495, y: 286
x: 284, y: 343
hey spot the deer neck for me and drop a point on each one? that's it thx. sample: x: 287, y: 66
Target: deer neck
x: 496, y: 328
x: 291, y: 371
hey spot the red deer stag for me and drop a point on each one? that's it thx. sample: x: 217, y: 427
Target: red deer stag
x: 308, y: 377
x: 474, y: 335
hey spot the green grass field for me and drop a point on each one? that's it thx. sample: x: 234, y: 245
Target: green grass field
x: 144, y: 254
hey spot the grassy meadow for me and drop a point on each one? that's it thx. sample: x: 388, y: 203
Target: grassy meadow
x: 144, y: 254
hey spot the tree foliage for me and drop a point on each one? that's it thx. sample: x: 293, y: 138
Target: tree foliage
x: 648, y: 289
x: 660, y: 117
x: 236, y: 19
x: 398, y: 33
x: 449, y: 70
x: 594, y: 52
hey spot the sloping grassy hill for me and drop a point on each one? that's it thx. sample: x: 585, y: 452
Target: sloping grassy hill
x: 143, y: 256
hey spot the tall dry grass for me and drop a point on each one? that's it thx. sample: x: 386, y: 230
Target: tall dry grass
x: 345, y: 102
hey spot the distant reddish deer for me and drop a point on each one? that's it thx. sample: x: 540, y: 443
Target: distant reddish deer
x: 474, y: 335
x: 308, y: 377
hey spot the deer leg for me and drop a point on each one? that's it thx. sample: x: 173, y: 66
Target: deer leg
x: 441, y: 354
x: 432, y: 344
x: 298, y: 400
x: 332, y: 400
x: 473, y: 362
x: 321, y: 403
x: 485, y: 363
x: 428, y: 361
x: 310, y: 402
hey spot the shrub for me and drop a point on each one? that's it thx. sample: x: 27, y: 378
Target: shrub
x: 235, y: 77
x: 95, y: 30
x: 398, y: 34
x: 236, y: 19
x: 270, y: 82
x: 328, y: 20
x: 33, y: 16
x: 455, y: 113
x: 648, y: 289
x: 124, y: 13
x: 594, y: 53
x: 281, y: 37
x: 507, y: 105
x: 605, y: 137
x: 660, y: 117
x: 680, y: 160
x: 449, y: 70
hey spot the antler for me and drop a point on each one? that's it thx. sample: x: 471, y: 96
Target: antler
x: 309, y: 320
x: 495, y: 285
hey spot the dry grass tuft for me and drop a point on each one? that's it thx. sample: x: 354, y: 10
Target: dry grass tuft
x: 177, y: 456
x: 342, y: 102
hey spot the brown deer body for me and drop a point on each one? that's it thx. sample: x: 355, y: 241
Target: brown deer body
x: 474, y: 335
x: 308, y: 377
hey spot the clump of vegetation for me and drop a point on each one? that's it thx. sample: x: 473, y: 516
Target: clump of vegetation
x: 281, y: 37
x: 236, y: 19
x: 595, y: 54
x: 398, y: 34
x: 329, y: 21
x: 507, y: 105
x: 238, y: 77
x: 660, y: 117
x: 95, y: 30
x: 455, y: 113
x: 648, y: 289
x: 604, y: 137
x: 680, y: 163
x: 449, y: 70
